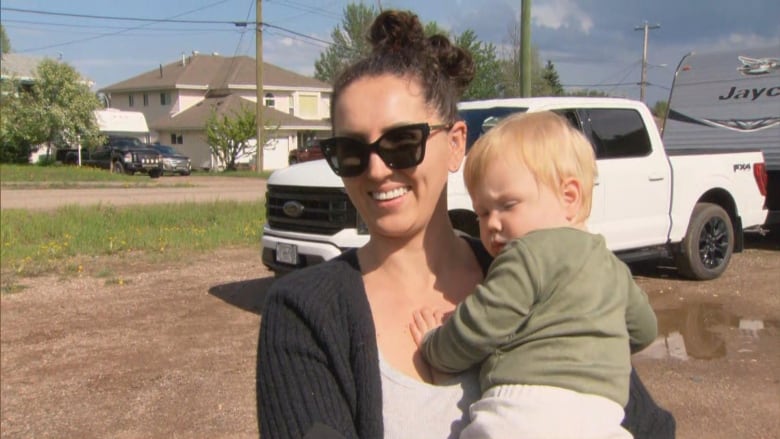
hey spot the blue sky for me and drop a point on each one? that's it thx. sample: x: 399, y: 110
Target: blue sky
x: 591, y: 42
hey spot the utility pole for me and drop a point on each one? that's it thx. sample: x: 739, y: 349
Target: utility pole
x: 259, y: 87
x: 643, y: 84
x: 525, y: 48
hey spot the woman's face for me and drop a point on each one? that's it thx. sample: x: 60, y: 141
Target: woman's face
x: 397, y: 203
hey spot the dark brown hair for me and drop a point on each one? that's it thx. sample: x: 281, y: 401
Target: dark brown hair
x: 400, y: 48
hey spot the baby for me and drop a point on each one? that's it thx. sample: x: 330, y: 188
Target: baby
x: 555, y: 321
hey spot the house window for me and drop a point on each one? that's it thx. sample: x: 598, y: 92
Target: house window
x: 308, y: 106
x: 269, y: 100
x: 146, y: 99
x: 165, y: 98
x: 130, y: 100
x: 177, y: 139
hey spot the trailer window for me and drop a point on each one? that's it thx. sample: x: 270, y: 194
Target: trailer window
x: 618, y: 133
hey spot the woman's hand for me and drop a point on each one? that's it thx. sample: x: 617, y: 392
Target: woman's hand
x: 425, y: 320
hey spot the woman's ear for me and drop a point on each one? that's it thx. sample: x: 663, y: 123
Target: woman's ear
x: 571, y: 196
x: 456, y: 137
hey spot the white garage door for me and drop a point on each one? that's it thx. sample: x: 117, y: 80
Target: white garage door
x: 275, y: 154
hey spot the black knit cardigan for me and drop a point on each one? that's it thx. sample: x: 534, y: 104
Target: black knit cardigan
x: 318, y: 366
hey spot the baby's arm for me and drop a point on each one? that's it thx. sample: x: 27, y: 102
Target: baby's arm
x: 487, y: 318
x: 425, y: 320
x: 640, y: 319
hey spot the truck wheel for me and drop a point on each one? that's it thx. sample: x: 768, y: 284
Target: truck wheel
x: 117, y: 168
x: 155, y: 174
x: 708, y: 244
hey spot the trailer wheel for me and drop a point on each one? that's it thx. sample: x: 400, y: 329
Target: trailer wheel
x: 708, y: 244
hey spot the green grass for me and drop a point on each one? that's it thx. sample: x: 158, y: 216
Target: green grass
x: 59, y: 174
x: 38, y: 242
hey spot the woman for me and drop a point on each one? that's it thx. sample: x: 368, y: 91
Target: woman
x: 335, y: 356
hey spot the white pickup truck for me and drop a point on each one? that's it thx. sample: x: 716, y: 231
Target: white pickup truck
x: 647, y: 203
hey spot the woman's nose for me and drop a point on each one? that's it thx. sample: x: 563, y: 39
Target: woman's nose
x: 377, y: 168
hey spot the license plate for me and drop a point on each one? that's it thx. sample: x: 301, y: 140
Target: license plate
x: 287, y: 253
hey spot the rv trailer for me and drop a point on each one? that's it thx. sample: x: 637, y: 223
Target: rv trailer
x: 729, y: 100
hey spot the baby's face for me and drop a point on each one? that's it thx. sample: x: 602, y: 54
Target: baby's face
x: 509, y: 203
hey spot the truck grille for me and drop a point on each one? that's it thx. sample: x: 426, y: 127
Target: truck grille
x: 309, y: 209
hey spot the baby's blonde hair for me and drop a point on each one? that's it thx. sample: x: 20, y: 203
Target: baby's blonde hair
x: 546, y: 144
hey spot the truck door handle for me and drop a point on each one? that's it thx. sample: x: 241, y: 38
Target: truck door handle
x: 655, y: 177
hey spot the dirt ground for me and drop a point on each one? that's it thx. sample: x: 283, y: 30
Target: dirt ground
x: 193, y: 188
x: 165, y: 350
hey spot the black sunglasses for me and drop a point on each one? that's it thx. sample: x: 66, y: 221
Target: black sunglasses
x: 400, y: 148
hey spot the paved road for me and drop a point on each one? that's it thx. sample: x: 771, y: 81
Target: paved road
x: 165, y: 190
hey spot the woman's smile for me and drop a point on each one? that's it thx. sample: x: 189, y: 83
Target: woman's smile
x: 389, y: 194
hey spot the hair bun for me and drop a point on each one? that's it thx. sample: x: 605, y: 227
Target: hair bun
x: 395, y: 32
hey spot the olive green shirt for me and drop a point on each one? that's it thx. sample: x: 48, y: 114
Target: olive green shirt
x: 557, y: 308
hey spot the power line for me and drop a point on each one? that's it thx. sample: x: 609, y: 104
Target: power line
x: 150, y: 21
x: 94, y: 27
x: 147, y: 20
x: 95, y: 37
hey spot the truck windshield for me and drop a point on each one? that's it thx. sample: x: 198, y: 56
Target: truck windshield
x: 482, y: 119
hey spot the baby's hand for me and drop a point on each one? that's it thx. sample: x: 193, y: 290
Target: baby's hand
x: 424, y: 320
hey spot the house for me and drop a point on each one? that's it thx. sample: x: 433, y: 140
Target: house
x: 23, y: 71
x: 19, y: 67
x: 178, y: 98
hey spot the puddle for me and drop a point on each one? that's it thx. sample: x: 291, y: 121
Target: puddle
x: 697, y: 331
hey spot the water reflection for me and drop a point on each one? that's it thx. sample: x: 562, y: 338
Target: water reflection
x: 697, y: 330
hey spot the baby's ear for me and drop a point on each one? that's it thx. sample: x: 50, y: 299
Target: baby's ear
x: 571, y: 195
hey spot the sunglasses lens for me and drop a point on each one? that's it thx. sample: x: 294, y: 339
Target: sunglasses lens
x: 347, y: 157
x: 402, y: 148
x: 399, y: 148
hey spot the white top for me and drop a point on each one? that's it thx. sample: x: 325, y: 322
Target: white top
x: 414, y: 409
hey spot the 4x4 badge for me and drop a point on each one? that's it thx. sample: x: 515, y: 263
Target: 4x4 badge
x: 293, y: 209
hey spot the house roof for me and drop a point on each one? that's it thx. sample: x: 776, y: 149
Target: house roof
x: 20, y: 66
x: 195, y: 117
x: 214, y: 72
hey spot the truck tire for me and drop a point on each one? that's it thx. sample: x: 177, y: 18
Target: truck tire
x: 705, y: 251
x: 155, y: 173
x: 117, y: 168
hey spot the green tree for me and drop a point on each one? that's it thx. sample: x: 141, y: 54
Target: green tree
x: 511, y: 66
x: 57, y: 110
x: 659, y: 109
x: 486, y: 83
x: 551, y: 81
x: 5, y: 43
x: 228, y: 134
x: 349, y: 42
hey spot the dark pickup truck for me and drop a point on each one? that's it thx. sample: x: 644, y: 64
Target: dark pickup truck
x: 123, y: 155
x: 310, y: 150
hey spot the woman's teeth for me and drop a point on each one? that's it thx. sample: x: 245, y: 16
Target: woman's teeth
x: 389, y: 195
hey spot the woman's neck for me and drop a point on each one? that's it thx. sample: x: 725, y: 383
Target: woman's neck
x: 422, y: 263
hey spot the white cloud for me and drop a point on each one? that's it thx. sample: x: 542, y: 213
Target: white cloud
x: 556, y: 14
